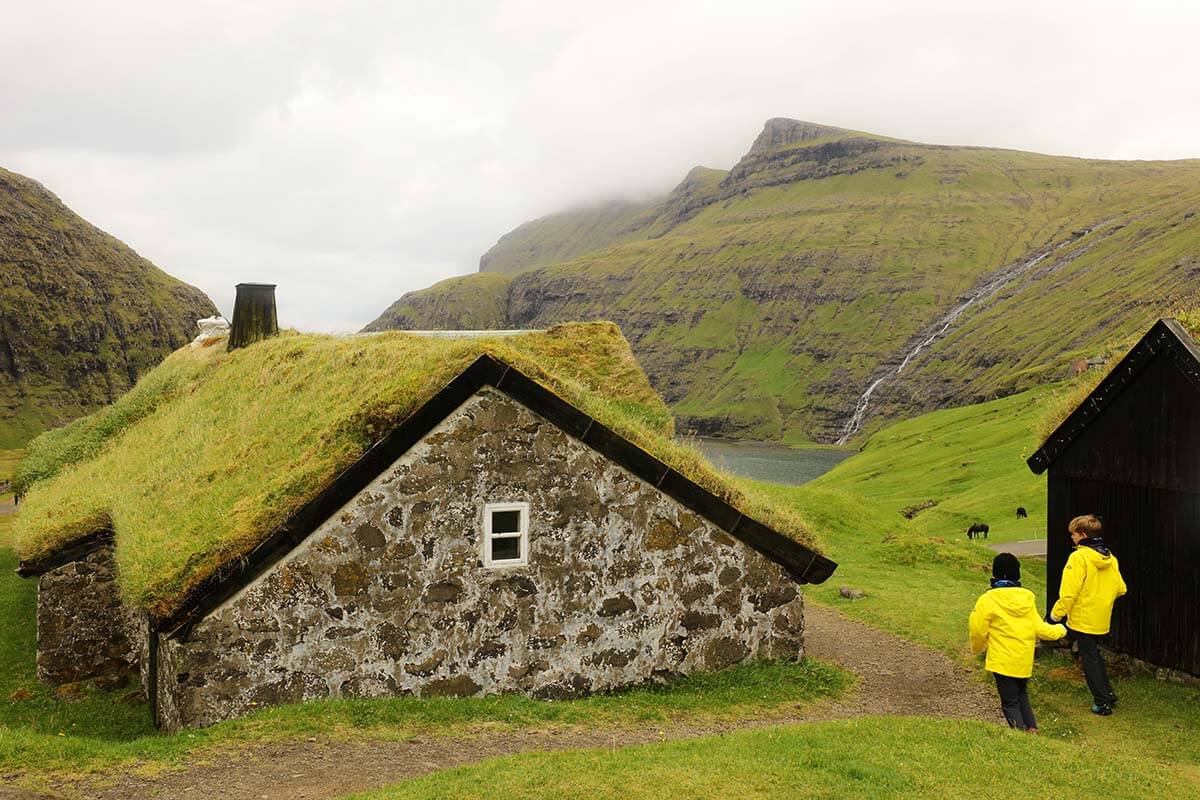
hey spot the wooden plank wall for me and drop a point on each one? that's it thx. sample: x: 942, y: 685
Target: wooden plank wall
x: 1138, y: 467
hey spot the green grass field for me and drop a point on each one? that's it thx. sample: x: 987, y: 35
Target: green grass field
x: 862, y: 758
x: 970, y: 460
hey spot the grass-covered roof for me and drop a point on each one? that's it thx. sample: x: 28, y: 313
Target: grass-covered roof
x: 212, y: 451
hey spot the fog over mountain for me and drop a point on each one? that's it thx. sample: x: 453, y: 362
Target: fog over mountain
x: 355, y: 151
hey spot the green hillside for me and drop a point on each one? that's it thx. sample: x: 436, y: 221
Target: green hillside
x: 472, y: 302
x: 81, y: 314
x: 764, y: 301
x: 574, y: 233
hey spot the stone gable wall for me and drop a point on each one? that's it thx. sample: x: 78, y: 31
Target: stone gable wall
x: 624, y: 585
x: 83, y: 630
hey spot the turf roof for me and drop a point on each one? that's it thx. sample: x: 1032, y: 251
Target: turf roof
x: 212, y: 451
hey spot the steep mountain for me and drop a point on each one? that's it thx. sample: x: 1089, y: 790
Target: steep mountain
x: 830, y: 264
x: 81, y: 314
x: 569, y: 234
x: 472, y: 302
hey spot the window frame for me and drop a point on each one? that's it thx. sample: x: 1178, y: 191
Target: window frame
x: 522, y: 535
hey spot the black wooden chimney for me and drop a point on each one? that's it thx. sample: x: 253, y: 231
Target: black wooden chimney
x: 253, y: 314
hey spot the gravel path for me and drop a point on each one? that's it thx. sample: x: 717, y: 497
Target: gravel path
x: 895, y: 677
x: 1026, y: 547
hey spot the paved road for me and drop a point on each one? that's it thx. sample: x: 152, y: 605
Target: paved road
x: 1028, y: 547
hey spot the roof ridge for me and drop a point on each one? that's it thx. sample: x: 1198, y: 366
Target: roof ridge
x: 1165, y: 334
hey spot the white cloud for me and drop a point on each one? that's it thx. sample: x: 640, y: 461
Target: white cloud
x: 354, y: 151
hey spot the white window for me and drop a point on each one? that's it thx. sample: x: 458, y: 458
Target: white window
x: 505, y: 534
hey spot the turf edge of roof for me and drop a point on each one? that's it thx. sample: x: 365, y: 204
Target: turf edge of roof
x: 1166, y: 335
x: 803, y: 564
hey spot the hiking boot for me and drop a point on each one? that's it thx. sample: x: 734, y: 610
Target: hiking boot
x: 1103, y: 711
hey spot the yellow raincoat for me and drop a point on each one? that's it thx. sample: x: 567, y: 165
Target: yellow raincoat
x: 1091, y: 583
x: 1007, y: 623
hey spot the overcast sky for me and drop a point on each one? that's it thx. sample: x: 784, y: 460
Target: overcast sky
x: 353, y: 151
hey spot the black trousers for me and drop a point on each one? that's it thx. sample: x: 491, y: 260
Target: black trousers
x: 1093, y: 668
x: 1014, y: 701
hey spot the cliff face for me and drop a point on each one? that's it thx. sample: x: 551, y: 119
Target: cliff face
x: 476, y: 302
x: 81, y: 314
x: 765, y: 300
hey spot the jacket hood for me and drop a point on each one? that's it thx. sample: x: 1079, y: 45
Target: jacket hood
x: 1015, y: 600
x: 1098, y: 556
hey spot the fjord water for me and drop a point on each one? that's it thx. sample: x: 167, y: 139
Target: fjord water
x: 767, y: 461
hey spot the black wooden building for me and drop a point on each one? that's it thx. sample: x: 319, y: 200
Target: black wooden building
x: 1130, y: 453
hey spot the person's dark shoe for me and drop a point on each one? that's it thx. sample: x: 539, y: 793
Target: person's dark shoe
x: 1103, y: 711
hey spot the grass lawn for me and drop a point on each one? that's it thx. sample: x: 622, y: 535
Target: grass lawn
x: 8, y: 462
x: 970, y: 460
x: 867, y: 758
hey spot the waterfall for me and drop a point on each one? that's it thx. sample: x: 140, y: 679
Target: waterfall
x: 981, y: 292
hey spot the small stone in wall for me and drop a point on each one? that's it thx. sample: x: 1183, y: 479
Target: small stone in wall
x: 664, y: 536
x: 615, y: 606
x: 588, y: 635
x: 697, y: 591
x: 613, y: 658
x: 369, y: 537
x: 488, y: 650
x: 428, y: 666
x: 457, y: 686
x: 444, y: 592
x: 699, y: 621
x: 724, y: 652
x: 350, y: 578
x: 567, y: 689
x: 772, y: 598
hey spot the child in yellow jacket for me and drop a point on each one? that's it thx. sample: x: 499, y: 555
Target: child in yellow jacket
x: 1006, y: 623
x: 1091, y: 583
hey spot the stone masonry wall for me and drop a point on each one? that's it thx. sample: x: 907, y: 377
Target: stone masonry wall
x: 83, y: 630
x: 624, y: 585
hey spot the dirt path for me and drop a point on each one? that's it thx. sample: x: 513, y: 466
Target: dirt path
x: 1034, y: 548
x: 895, y: 677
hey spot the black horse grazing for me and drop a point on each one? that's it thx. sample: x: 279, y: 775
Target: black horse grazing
x: 976, y: 529
x: 1021, y: 513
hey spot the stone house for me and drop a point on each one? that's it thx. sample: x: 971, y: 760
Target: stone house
x: 499, y: 539
x: 84, y: 632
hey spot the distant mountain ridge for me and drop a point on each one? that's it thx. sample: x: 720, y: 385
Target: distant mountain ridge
x: 81, y: 314
x: 765, y: 300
